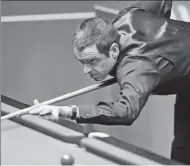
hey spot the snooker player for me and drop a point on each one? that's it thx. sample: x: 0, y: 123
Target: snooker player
x: 147, y: 53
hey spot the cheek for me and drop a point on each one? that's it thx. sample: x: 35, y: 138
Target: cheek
x: 104, y: 67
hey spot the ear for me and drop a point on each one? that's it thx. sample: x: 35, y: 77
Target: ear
x: 114, y: 50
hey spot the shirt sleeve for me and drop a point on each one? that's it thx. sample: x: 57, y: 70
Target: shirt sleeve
x: 137, y: 78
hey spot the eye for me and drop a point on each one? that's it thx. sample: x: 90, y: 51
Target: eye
x: 81, y: 62
x: 93, y: 62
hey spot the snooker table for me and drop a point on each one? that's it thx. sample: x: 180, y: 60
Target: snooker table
x: 36, y: 140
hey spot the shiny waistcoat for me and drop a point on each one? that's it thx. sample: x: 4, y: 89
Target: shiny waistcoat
x: 162, y: 42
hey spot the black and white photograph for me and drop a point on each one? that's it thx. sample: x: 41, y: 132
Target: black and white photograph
x: 95, y: 82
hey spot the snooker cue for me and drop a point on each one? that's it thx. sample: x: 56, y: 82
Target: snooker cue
x: 63, y: 97
x: 48, y: 17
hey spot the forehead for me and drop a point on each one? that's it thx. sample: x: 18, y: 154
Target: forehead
x: 88, y: 53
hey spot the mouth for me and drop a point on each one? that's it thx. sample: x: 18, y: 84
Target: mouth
x: 95, y: 76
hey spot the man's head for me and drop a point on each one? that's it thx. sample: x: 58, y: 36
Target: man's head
x: 96, y: 46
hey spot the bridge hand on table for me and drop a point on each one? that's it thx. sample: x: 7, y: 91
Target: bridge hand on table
x: 63, y: 111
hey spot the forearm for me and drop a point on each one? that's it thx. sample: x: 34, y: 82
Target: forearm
x: 108, y: 113
x: 137, y: 79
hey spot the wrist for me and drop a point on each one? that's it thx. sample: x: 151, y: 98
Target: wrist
x: 75, y: 112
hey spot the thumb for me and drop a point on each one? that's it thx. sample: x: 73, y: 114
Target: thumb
x: 36, y: 102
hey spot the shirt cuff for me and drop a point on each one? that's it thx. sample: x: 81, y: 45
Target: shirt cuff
x: 87, y: 111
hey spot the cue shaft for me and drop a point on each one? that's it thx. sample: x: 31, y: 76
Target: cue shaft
x: 63, y: 97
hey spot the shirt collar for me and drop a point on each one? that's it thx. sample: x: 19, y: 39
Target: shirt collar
x: 114, y: 69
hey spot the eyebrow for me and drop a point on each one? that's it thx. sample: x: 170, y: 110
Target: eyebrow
x: 88, y: 60
x: 86, y: 56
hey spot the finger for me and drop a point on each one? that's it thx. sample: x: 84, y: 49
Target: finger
x: 36, y: 102
x: 37, y: 110
x: 34, y: 111
x: 46, y: 111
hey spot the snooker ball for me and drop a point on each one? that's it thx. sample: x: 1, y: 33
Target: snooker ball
x: 67, y: 159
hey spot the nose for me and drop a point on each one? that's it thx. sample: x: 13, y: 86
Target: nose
x: 87, y: 69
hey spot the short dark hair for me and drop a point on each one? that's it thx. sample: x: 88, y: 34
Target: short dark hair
x: 95, y: 31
